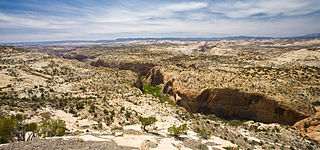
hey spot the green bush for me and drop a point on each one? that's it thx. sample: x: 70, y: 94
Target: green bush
x: 71, y: 110
x: 79, y: 105
x: 204, y: 133
x: 177, y: 131
x: 6, y: 129
x: 122, y: 109
x: 105, y: 112
x: 128, y: 114
x: 50, y: 128
x: 235, y: 123
x: 31, y: 127
x: 146, y: 122
x: 14, y: 129
x: 166, y: 98
x: 92, y: 109
x: 156, y: 92
x: 153, y: 90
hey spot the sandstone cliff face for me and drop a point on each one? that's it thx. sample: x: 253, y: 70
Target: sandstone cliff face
x: 140, y: 68
x: 310, y: 126
x: 232, y: 103
x: 228, y: 103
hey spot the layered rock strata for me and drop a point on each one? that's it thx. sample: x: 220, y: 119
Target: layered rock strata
x: 225, y: 102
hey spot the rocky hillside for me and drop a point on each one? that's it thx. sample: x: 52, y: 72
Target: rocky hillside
x: 203, y: 95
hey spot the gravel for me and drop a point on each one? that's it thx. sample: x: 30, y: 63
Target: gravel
x: 59, y: 144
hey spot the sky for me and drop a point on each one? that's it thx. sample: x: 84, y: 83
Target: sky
x: 55, y: 20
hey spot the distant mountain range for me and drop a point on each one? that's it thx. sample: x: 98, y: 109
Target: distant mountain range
x: 313, y: 35
x: 307, y: 36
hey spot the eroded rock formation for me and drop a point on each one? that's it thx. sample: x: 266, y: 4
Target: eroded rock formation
x: 227, y: 103
x: 140, y: 68
x: 232, y: 103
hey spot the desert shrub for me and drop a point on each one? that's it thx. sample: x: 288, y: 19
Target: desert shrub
x: 112, y: 113
x: 128, y: 114
x: 31, y: 127
x: 14, y: 129
x: 177, y: 131
x: 105, y: 112
x: 62, y: 103
x: 92, y: 109
x: 50, y: 128
x: 204, y: 133
x: 18, y: 117
x: 146, y: 122
x: 235, y: 123
x: 79, y: 105
x: 71, y: 110
x: 122, y: 109
x: 117, y: 128
x: 6, y: 129
x: 100, y: 125
x: 291, y: 148
x: 83, y: 88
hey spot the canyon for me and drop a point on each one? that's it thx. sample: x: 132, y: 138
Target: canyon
x: 226, y: 103
x: 239, y: 94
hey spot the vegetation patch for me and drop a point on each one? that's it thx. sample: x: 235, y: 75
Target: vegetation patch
x: 146, y: 122
x: 177, y: 131
x: 50, y: 128
x: 156, y: 92
x: 14, y: 128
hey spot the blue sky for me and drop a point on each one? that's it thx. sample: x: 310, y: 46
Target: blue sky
x: 43, y: 20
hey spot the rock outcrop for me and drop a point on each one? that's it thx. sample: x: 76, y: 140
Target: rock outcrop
x: 226, y: 102
x: 140, y: 68
x: 231, y: 103
x: 310, y: 126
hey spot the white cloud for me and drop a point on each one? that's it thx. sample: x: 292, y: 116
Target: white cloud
x: 4, y: 17
x: 185, y: 6
x: 184, y: 19
x: 270, y: 8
